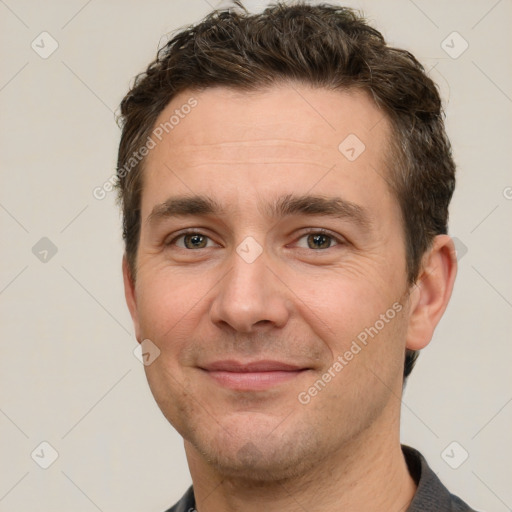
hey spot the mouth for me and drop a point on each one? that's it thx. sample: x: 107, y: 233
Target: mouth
x: 252, y: 376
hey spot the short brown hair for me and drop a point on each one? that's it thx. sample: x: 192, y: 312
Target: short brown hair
x: 320, y: 45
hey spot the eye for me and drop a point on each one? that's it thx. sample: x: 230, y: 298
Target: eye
x: 191, y: 240
x: 319, y: 239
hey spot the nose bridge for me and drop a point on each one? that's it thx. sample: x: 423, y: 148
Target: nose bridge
x: 249, y: 295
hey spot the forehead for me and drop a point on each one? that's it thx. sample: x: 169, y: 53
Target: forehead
x: 299, y: 113
x: 288, y: 136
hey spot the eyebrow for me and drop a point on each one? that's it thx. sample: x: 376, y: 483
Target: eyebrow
x: 283, y: 206
x: 180, y: 206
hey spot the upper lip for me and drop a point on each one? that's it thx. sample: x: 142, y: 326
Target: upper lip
x: 230, y: 365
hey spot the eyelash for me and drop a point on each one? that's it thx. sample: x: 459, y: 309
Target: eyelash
x: 315, y: 231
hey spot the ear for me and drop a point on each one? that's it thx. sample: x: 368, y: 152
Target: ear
x: 131, y: 300
x: 431, y: 292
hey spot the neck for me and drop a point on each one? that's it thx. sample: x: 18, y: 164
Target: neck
x: 369, y: 474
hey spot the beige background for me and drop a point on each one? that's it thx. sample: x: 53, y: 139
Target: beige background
x: 67, y: 372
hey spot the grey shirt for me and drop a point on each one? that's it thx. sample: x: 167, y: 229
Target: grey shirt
x: 431, y: 495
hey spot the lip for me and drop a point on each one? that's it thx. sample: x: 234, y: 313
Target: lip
x: 231, y: 365
x: 254, y: 375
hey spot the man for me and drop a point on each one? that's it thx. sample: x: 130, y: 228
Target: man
x: 285, y: 180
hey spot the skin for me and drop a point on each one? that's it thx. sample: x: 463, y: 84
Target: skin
x: 295, y: 302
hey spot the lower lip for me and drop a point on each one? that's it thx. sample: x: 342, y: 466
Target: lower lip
x: 248, y: 381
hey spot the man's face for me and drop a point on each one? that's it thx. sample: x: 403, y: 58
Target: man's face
x: 256, y: 305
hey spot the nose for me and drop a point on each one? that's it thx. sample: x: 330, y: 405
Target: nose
x: 250, y: 297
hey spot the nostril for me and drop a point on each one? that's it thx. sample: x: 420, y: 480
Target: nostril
x: 264, y: 322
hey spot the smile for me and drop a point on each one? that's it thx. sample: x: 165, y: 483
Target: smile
x: 253, y: 376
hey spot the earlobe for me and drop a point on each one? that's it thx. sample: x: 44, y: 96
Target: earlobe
x: 432, y: 291
x: 130, y: 296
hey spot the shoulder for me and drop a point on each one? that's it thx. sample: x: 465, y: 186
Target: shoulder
x: 460, y: 506
x: 431, y: 494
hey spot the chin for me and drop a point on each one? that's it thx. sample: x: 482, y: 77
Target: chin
x: 258, y: 454
x: 250, y: 464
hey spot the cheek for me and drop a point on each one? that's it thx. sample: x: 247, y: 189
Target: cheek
x: 364, y: 336
x: 346, y: 298
x: 360, y: 318
x: 169, y: 301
